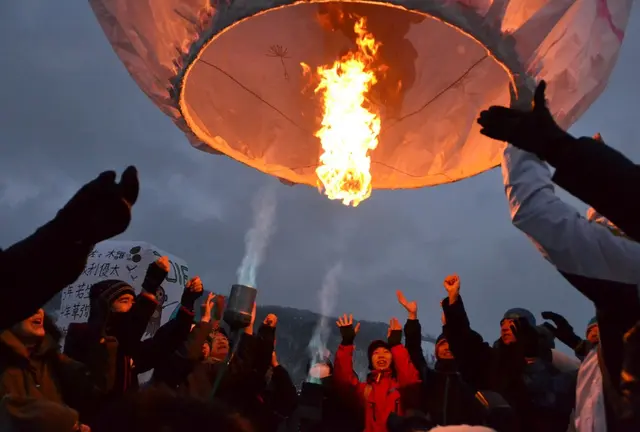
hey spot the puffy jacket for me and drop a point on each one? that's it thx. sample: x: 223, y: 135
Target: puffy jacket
x: 134, y: 356
x: 47, y: 374
x: 602, y: 266
x: 381, y: 393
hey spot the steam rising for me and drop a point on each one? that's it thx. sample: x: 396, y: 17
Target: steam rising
x: 257, y: 238
x: 327, y: 296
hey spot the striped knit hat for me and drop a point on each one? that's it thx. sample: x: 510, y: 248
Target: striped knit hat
x: 108, y: 291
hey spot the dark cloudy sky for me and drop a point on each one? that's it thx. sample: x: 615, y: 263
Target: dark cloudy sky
x: 69, y: 110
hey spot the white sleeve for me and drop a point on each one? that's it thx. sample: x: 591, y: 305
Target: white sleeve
x: 565, y: 238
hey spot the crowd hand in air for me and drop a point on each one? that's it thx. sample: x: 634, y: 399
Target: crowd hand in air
x: 562, y: 329
x: 101, y: 209
x: 274, y: 360
x: 452, y: 285
x: 193, y: 290
x: 207, y: 307
x: 347, y: 330
x: 156, y: 274
x: 411, y: 307
x: 271, y: 320
x: 530, y: 129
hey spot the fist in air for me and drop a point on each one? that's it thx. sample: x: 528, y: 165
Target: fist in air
x: 452, y: 285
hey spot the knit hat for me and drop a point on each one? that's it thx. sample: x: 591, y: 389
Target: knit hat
x: 440, y: 338
x: 35, y: 415
x: 592, y: 323
x: 520, y: 313
x: 374, y: 346
x: 109, y: 291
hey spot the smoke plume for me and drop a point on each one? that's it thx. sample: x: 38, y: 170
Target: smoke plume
x: 257, y: 238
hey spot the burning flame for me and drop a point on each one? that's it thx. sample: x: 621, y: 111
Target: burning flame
x: 350, y: 126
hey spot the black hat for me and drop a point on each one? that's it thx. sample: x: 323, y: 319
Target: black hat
x: 440, y: 338
x: 108, y: 291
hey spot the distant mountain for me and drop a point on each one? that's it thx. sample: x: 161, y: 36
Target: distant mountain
x: 296, y: 327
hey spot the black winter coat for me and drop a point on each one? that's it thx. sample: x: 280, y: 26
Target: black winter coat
x: 540, y: 395
x: 447, y: 399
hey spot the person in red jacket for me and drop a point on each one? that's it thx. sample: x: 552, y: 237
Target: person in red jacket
x: 391, y: 371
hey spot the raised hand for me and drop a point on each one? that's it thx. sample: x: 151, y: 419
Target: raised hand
x: 207, y: 308
x: 163, y: 263
x: 347, y: 330
x: 411, y: 307
x: 562, y: 329
x: 156, y: 274
x: 452, y: 285
x: 271, y: 320
x: 101, y: 209
x: 193, y: 290
x: 528, y: 127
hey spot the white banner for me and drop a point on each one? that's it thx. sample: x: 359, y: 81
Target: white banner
x: 126, y: 261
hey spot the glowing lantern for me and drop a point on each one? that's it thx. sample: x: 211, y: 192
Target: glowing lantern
x: 229, y: 75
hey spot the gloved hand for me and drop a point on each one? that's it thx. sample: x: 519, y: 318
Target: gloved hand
x: 526, y: 337
x: 101, y: 209
x: 347, y: 330
x: 562, y: 330
x: 156, y: 273
x: 534, y: 131
x: 192, y: 292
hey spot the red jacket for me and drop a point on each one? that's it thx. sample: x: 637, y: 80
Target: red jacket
x: 381, y: 393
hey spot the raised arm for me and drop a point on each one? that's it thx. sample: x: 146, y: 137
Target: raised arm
x: 100, y: 210
x: 412, y: 332
x: 405, y: 370
x: 343, y: 367
x: 471, y: 352
x: 575, y: 246
x: 601, y: 176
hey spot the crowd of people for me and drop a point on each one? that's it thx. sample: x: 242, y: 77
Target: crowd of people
x: 206, y: 378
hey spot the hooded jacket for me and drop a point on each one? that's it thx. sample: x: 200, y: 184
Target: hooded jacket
x: 602, y: 266
x: 134, y: 356
x: 447, y: 398
x: 381, y: 393
x: 540, y: 395
x: 46, y: 374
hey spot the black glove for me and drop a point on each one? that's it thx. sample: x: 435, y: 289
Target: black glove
x: 189, y: 297
x: 526, y: 337
x: 394, y: 338
x: 348, y: 335
x: 534, y: 131
x: 562, y: 330
x: 101, y: 209
x: 154, y: 278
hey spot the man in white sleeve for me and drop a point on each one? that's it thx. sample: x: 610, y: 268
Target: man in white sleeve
x: 596, y: 259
